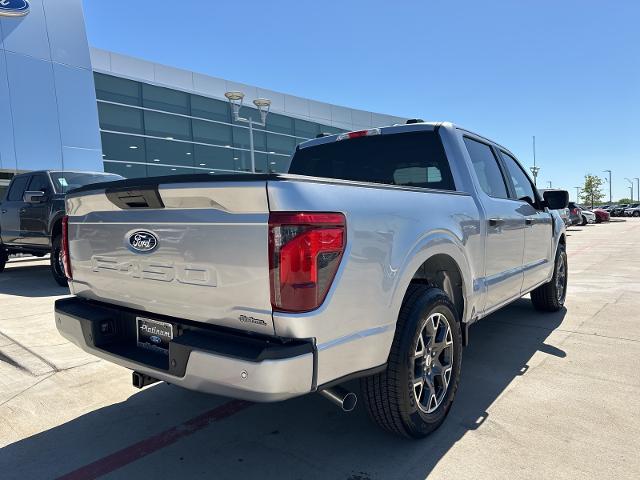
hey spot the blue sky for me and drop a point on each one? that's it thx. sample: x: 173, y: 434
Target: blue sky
x: 565, y: 71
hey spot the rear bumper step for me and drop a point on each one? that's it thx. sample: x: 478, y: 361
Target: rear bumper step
x: 201, y: 359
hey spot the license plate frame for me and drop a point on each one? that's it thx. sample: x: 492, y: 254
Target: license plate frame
x: 154, y: 335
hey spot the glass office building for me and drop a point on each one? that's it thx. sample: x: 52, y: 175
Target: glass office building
x: 159, y: 120
x: 149, y: 130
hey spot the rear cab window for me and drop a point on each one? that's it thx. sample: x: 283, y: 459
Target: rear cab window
x: 412, y: 159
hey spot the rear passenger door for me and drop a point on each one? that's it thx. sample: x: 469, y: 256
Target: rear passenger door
x: 11, y: 209
x: 538, y: 225
x: 504, y: 240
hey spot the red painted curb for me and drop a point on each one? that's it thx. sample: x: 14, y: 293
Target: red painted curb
x: 156, y: 442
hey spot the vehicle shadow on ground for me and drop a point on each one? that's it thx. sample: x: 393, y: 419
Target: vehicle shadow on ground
x: 29, y: 278
x: 305, y: 437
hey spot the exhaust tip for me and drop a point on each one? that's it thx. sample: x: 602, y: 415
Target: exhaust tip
x: 349, y: 402
x: 345, y: 399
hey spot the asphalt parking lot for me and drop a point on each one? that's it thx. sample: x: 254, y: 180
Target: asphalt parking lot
x: 541, y: 396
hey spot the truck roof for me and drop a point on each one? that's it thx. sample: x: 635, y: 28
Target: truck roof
x: 402, y: 128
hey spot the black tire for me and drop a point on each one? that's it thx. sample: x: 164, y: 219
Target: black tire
x: 57, y: 270
x: 4, y: 258
x: 584, y: 221
x: 636, y: 214
x: 550, y: 297
x: 390, y: 397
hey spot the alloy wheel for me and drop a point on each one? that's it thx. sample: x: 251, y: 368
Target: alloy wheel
x: 433, y: 362
x: 561, y: 277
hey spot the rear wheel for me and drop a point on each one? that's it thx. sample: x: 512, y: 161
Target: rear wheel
x: 636, y: 214
x: 57, y: 265
x: 413, y: 395
x: 550, y: 297
x: 584, y: 221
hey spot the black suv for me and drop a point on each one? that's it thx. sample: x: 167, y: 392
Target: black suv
x: 32, y: 210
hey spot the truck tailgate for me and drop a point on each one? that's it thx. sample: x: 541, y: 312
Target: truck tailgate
x: 201, y: 253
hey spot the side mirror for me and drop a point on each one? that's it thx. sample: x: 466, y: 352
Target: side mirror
x: 34, y: 197
x: 556, y: 199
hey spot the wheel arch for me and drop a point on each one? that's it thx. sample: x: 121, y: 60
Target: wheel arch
x: 441, y: 262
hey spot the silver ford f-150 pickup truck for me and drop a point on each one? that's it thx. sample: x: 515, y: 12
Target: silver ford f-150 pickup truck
x: 369, y: 259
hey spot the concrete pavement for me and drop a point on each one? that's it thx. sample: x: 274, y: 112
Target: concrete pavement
x: 541, y: 396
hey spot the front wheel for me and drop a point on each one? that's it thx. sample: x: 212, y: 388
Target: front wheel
x: 414, y: 394
x: 550, y: 297
x: 636, y: 214
x: 57, y: 265
x: 584, y: 221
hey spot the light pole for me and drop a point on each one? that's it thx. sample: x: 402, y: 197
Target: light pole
x: 610, y: 196
x: 550, y: 184
x: 638, y: 189
x: 262, y: 104
x: 631, y: 187
x: 534, y: 170
x: 578, y: 194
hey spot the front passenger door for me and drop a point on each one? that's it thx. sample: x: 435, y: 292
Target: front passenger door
x: 504, y: 240
x: 11, y: 208
x: 34, y: 217
x: 538, y: 238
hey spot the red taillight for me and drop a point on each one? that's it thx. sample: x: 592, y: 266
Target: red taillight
x: 305, y: 250
x: 66, y: 258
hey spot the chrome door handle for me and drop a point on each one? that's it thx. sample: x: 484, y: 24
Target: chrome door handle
x: 4, y: 211
x: 494, y: 222
x: 23, y: 210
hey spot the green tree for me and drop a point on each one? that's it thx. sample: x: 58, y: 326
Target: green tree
x: 625, y: 200
x: 592, y: 190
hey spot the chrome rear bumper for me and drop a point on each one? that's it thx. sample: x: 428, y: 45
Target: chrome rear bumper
x: 205, y: 360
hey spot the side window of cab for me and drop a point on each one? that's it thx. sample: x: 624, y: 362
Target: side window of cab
x: 522, y: 184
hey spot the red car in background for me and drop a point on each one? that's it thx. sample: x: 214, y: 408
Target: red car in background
x: 601, y: 215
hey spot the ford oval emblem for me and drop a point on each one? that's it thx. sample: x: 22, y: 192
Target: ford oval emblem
x: 14, y: 8
x: 143, y: 241
x: 155, y: 339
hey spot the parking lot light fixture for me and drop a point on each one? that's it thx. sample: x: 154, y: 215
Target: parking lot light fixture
x: 637, y: 179
x: 631, y: 186
x: 610, y: 187
x: 262, y: 104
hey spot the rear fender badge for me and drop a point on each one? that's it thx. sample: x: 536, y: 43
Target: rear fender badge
x: 142, y: 241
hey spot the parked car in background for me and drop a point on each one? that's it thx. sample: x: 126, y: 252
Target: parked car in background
x: 32, y: 210
x: 602, y: 215
x: 575, y: 214
x: 618, y: 210
x: 587, y: 216
x: 632, y: 210
x: 369, y: 260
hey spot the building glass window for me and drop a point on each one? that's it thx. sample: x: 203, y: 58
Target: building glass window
x: 167, y: 126
x: 209, y: 132
x: 281, y: 144
x: 169, y: 152
x: 279, y: 123
x: 306, y: 129
x: 165, y: 99
x: 126, y: 148
x: 127, y: 170
x: 120, y: 119
x: 115, y: 89
x: 214, y: 157
x: 210, y: 108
